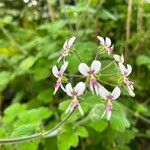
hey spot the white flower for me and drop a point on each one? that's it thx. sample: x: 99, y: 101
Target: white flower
x: 125, y: 71
x: 74, y: 93
x: 109, y: 97
x: 106, y: 43
x: 130, y: 87
x: 58, y: 74
x: 119, y: 59
x: 66, y: 47
x: 91, y: 72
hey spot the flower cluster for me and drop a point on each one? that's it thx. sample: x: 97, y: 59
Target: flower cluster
x: 126, y: 71
x: 91, y: 73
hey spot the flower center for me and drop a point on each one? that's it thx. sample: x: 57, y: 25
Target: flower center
x: 91, y: 72
x: 74, y: 93
x: 109, y: 97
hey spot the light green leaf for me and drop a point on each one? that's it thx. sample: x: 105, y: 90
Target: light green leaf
x: 24, y: 130
x: 81, y: 131
x: 143, y: 60
x: 33, y: 116
x: 118, y: 120
x: 13, y: 111
x: 26, y: 64
x: 95, y: 120
x: 66, y: 140
x: 4, y: 79
x: 45, y: 96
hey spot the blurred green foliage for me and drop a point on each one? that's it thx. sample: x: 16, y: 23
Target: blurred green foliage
x: 32, y: 33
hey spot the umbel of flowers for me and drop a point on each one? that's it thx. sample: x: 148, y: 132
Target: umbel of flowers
x: 90, y: 73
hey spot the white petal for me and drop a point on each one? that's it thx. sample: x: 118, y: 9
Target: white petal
x: 80, y: 109
x: 65, y: 46
x: 129, y: 70
x: 122, y: 58
x: 116, y: 57
x: 131, y: 93
x: 63, y: 68
x: 101, y: 39
x: 116, y: 92
x: 119, y: 59
x: 96, y: 90
x: 91, y: 88
x: 56, y: 89
x: 96, y: 66
x: 109, y: 115
x: 103, y: 92
x: 55, y: 71
x: 83, y: 69
x: 80, y: 88
x: 69, y: 89
x: 62, y: 88
x: 107, y: 42
x: 122, y: 68
x: 71, y: 41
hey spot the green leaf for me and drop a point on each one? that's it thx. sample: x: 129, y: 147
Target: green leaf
x: 41, y: 73
x: 105, y: 15
x: 24, y: 130
x: 63, y: 105
x: 4, y: 79
x: 66, y: 140
x: 118, y: 120
x: 95, y: 120
x: 2, y: 132
x: 85, y: 50
x: 143, y: 60
x: 29, y: 145
x: 33, y: 116
x: 81, y: 131
x: 13, y: 111
x: 124, y: 138
x: 45, y: 96
x: 26, y: 64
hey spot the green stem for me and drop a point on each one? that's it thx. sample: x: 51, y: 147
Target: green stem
x: 107, y: 83
x: 80, y: 59
x: 107, y: 66
x: 105, y: 75
x: 97, y: 54
x: 46, y: 134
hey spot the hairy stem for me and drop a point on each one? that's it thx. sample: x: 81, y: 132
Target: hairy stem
x: 107, y: 66
x: 80, y: 59
x: 46, y: 134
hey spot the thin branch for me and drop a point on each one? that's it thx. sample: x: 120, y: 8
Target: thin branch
x: 80, y: 59
x: 46, y: 134
x: 97, y: 54
x: 105, y: 75
x: 111, y: 84
x: 107, y: 66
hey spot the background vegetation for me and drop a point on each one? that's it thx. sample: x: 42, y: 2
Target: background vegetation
x: 32, y: 33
